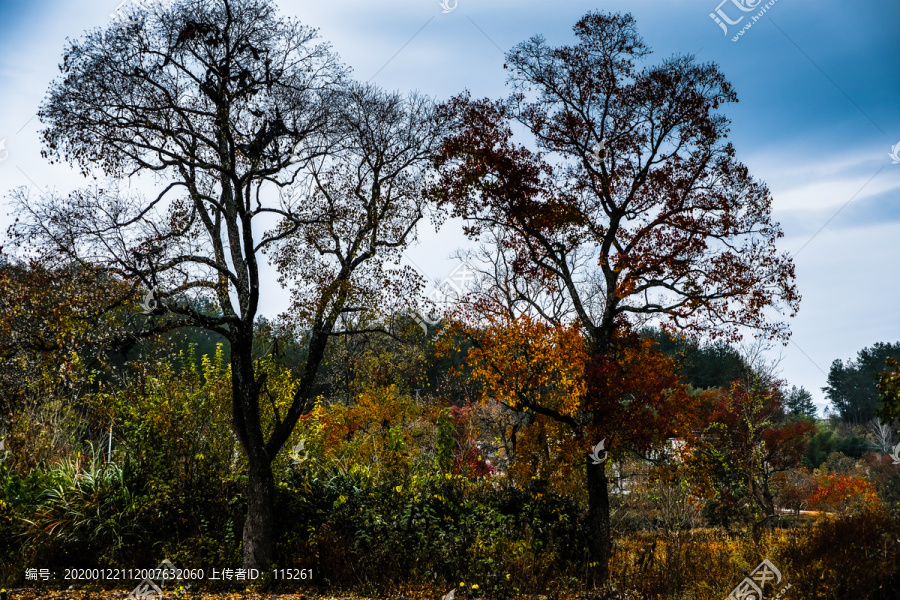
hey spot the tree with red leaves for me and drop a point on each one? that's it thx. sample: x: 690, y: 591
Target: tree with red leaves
x: 741, y: 441
x: 631, y: 208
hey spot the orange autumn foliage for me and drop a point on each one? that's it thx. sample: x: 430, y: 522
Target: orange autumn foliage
x: 524, y: 362
x: 630, y: 396
x: 839, y: 490
x: 376, y: 429
x: 536, y: 368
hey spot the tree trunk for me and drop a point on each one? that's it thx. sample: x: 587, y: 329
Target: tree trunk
x: 767, y: 502
x: 259, y: 540
x: 259, y: 530
x: 599, y: 542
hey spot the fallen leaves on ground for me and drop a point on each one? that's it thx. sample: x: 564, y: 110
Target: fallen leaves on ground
x: 44, y: 594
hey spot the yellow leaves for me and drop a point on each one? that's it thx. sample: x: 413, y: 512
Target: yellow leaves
x: 522, y: 361
x: 889, y: 389
x: 376, y: 429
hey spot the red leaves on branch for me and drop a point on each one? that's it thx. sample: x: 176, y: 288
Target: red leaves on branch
x: 835, y: 490
x: 741, y: 441
x: 634, y: 394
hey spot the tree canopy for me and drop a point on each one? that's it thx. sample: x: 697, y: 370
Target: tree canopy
x: 254, y: 142
x: 853, y: 386
x: 621, y: 205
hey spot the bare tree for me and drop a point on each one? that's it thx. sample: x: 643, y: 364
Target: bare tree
x: 258, y: 144
x: 883, y: 435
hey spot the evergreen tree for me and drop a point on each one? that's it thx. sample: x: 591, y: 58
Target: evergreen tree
x: 853, y: 387
x: 799, y: 402
x: 712, y: 365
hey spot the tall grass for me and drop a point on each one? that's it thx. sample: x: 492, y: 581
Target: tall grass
x: 87, y: 509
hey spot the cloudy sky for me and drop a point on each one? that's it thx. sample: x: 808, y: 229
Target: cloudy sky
x: 819, y: 114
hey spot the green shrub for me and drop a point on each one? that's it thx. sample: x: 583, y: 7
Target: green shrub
x: 428, y: 528
x: 86, y: 514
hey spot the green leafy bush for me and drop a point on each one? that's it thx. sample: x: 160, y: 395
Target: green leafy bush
x: 428, y: 528
x: 88, y: 513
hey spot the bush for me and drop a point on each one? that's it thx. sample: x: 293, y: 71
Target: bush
x: 853, y: 556
x: 429, y: 528
x: 88, y: 514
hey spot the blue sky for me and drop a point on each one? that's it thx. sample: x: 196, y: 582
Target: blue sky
x: 819, y: 111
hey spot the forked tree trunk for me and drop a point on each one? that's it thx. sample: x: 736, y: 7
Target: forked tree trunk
x: 259, y: 534
x: 599, y: 542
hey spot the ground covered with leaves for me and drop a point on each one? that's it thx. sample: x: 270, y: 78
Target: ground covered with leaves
x: 412, y: 593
